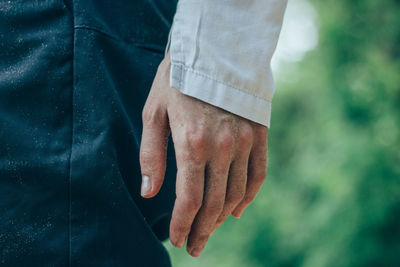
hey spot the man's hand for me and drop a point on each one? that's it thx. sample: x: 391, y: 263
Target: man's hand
x: 221, y: 160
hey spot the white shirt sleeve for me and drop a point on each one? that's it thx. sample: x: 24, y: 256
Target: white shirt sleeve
x: 221, y: 52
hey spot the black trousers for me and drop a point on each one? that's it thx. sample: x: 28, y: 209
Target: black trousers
x: 74, y: 76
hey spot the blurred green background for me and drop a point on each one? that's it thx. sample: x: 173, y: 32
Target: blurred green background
x: 332, y: 196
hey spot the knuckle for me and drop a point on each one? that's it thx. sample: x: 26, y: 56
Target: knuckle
x: 147, y: 113
x: 248, y: 199
x: 245, y: 135
x: 261, y: 133
x: 194, y: 145
x: 202, y: 238
x: 180, y: 228
x: 197, y: 140
x: 191, y: 202
x: 225, y: 140
x: 152, y: 113
x: 214, y: 207
x: 235, y: 197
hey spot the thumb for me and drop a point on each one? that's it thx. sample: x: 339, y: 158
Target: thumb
x: 153, y: 151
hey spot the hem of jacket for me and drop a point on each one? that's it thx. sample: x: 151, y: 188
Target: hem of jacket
x: 201, y: 86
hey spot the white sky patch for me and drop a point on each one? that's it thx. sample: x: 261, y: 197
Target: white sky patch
x: 299, y: 34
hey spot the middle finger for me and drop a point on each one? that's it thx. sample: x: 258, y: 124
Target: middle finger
x: 216, y: 176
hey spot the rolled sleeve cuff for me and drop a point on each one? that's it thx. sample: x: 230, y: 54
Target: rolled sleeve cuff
x: 201, y: 86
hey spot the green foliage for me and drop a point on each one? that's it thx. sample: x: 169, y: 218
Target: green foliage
x: 332, y: 197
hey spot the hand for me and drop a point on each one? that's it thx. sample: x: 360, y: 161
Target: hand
x: 221, y: 160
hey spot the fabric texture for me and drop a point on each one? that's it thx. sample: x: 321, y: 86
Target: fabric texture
x: 74, y: 77
x: 221, y: 53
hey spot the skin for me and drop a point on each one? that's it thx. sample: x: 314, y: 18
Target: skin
x: 221, y: 160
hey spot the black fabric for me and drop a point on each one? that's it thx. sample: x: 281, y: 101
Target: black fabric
x: 74, y: 76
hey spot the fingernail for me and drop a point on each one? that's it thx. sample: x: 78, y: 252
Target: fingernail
x: 237, y: 214
x: 196, y: 252
x: 146, y: 186
x: 181, y: 243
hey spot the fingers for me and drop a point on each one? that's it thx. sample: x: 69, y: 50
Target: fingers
x: 212, y: 206
x: 257, y: 170
x: 189, y: 196
x: 238, y: 173
x: 216, y: 177
x: 236, y: 189
x: 153, y: 149
x: 190, y: 160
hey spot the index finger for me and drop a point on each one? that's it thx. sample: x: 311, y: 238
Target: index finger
x: 189, y: 194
